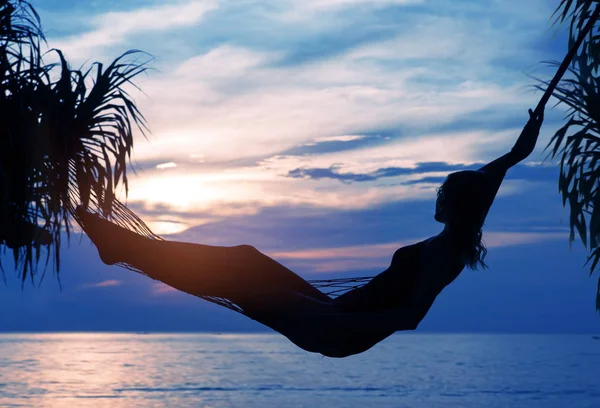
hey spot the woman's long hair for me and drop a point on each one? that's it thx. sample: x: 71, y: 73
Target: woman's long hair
x: 460, y: 206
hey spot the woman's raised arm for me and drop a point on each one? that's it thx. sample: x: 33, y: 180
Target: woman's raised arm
x: 522, y: 148
x: 496, y: 170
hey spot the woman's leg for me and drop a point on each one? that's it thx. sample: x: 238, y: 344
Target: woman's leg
x: 241, y: 274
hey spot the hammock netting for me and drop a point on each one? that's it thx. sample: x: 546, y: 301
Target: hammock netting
x: 126, y: 218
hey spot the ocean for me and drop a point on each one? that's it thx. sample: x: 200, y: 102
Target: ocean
x: 265, y: 370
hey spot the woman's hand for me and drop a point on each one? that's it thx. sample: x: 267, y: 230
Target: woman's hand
x: 528, y: 138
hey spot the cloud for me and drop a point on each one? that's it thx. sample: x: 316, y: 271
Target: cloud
x: 325, y: 4
x: 338, y: 143
x: 167, y: 165
x: 342, y: 138
x: 112, y: 28
x: 244, y: 102
x: 333, y: 173
x: 103, y: 284
x: 525, y: 171
x: 160, y: 288
x: 237, y: 93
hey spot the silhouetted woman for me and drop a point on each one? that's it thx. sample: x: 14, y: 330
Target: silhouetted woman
x: 272, y: 294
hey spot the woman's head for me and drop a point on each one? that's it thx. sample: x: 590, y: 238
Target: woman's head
x: 461, y: 207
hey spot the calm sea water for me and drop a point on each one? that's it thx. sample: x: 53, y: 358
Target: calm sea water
x: 203, y: 370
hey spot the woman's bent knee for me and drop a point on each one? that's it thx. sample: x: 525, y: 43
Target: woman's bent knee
x: 247, y: 249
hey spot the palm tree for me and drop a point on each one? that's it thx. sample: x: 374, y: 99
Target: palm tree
x: 577, y: 143
x: 65, y: 137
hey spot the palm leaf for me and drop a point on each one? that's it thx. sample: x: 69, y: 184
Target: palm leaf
x: 71, y: 129
x: 577, y: 143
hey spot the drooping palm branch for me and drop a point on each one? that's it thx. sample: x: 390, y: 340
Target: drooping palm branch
x: 577, y: 143
x: 66, y: 137
x: 20, y: 37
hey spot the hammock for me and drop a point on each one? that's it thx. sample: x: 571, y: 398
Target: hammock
x: 121, y: 215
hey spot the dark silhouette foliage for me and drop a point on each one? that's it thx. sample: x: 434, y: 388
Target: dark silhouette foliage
x: 65, y: 137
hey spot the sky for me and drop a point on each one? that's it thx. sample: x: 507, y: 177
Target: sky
x: 317, y: 131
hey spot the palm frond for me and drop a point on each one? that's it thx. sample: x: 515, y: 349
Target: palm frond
x: 71, y: 130
x: 577, y: 143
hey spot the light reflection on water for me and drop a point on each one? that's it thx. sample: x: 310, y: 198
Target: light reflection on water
x: 415, y: 370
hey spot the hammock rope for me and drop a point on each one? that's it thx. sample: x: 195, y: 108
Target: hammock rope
x: 121, y: 215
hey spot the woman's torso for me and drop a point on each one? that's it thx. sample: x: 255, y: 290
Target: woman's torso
x: 425, y: 267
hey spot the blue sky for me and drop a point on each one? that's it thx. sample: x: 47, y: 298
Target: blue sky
x: 317, y: 131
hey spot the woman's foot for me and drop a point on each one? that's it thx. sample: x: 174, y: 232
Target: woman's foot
x: 110, y: 239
